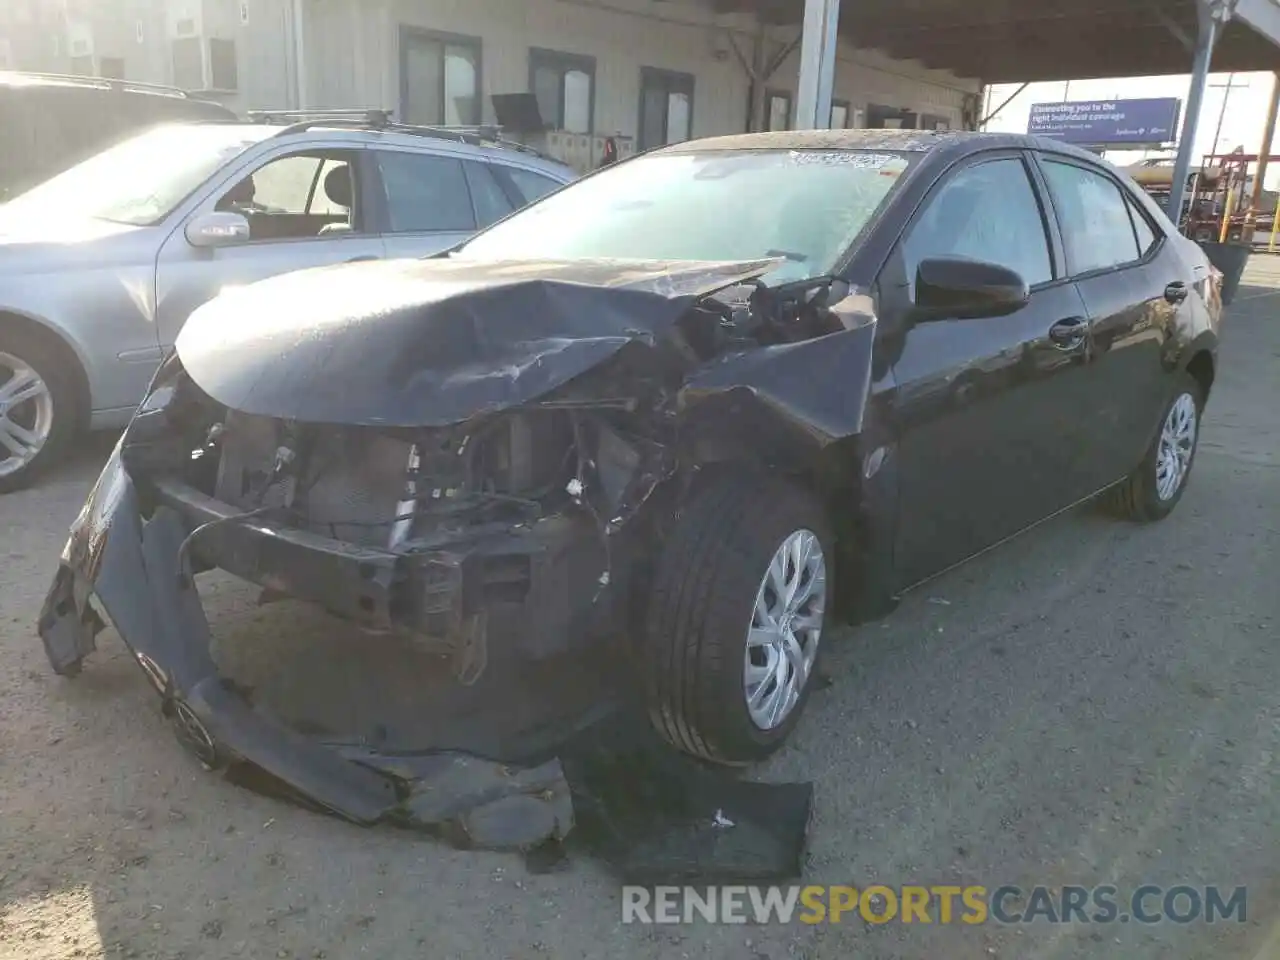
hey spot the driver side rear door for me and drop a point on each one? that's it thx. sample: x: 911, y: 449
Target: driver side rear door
x: 988, y: 411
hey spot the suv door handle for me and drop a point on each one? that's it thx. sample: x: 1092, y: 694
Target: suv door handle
x: 1069, y: 333
x: 1176, y: 292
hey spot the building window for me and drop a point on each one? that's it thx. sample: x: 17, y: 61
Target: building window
x: 439, y: 78
x: 223, y: 70
x: 777, y: 110
x: 111, y: 67
x: 565, y: 87
x: 188, y: 63
x: 839, y: 114
x: 666, y: 107
x: 880, y: 117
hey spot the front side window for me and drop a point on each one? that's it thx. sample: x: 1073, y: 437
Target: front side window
x: 985, y: 212
x: 666, y: 107
x: 141, y: 180
x: 425, y: 193
x: 440, y: 79
x: 805, y: 207
x: 297, y: 197
x: 1096, y: 228
x: 564, y: 85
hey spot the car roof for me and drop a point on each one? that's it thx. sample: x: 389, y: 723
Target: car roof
x: 905, y: 141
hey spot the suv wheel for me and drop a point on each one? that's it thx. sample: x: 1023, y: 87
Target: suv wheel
x: 36, y: 410
x: 736, y: 618
x: 1155, y: 488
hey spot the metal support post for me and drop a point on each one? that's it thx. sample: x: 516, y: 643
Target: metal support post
x: 817, y: 64
x: 1211, y: 16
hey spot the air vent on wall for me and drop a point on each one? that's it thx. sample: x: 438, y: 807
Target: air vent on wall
x: 139, y: 34
x: 244, y: 13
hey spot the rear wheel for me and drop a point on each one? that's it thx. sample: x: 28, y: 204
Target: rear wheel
x: 1152, y: 491
x: 736, y: 617
x: 37, y: 409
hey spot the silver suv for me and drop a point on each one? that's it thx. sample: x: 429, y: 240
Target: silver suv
x: 101, y: 266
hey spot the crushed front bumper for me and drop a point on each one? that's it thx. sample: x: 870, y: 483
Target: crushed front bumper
x: 131, y: 567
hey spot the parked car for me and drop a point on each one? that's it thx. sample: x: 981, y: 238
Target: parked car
x: 100, y: 266
x: 53, y: 122
x: 688, y: 410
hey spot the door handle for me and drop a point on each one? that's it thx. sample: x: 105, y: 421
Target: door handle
x: 1176, y: 292
x: 1069, y: 334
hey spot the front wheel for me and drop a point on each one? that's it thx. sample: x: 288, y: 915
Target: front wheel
x: 36, y: 409
x: 1152, y: 491
x: 736, y: 618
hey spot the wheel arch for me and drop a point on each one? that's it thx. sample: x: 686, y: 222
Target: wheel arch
x: 1202, y: 365
x: 61, y: 347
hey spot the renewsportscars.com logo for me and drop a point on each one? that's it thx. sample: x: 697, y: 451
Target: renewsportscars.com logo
x: 972, y: 905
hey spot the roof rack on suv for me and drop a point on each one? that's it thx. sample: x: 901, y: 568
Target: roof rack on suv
x: 108, y: 83
x: 480, y: 135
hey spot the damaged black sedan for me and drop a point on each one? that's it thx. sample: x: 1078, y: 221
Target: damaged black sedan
x: 689, y: 410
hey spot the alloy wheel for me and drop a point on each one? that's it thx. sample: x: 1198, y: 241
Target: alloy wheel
x: 26, y: 414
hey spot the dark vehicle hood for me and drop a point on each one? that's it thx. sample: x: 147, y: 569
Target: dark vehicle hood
x: 429, y: 343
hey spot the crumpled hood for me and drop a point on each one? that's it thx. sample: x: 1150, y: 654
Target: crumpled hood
x: 429, y: 343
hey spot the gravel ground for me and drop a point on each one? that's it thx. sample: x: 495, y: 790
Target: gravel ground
x: 1096, y: 702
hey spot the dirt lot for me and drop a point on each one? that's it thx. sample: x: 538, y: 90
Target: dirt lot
x: 1097, y: 702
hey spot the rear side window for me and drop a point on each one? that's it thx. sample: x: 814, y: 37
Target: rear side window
x: 490, y: 200
x: 985, y: 212
x: 1142, y: 228
x: 425, y: 193
x: 1096, y: 227
x: 532, y: 186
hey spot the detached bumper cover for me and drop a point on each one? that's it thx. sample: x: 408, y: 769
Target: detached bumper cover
x: 131, y: 568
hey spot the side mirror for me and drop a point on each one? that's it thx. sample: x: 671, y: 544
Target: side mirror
x: 219, y: 229
x: 956, y: 288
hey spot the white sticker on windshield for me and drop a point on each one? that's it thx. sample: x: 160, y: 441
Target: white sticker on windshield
x: 845, y: 158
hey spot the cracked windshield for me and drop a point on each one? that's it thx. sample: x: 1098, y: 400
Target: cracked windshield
x: 709, y: 479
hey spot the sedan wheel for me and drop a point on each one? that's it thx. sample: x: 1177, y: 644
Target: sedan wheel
x: 1155, y: 488
x: 735, y: 618
x: 26, y: 414
x: 786, y: 626
x: 1176, y: 445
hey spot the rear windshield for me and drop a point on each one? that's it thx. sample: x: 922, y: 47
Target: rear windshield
x: 807, y: 206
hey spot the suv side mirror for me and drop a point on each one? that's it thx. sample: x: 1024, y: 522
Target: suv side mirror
x: 217, y: 229
x: 957, y: 288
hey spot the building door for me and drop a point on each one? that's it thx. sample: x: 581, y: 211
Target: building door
x: 666, y: 107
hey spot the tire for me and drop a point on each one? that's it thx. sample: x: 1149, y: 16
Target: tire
x: 702, y: 609
x: 1140, y: 496
x: 50, y: 414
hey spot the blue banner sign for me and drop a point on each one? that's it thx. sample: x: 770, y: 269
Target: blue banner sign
x: 1098, y: 122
